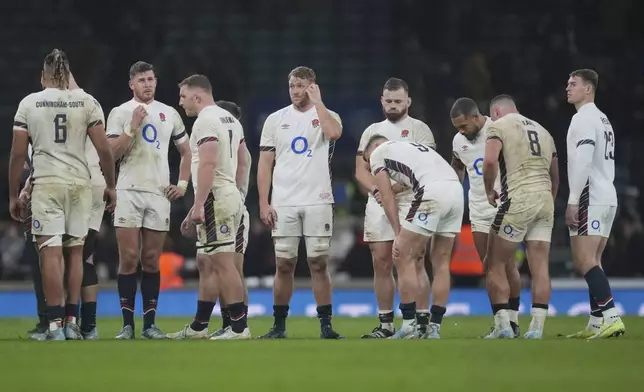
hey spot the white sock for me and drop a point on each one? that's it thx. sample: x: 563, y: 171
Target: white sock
x: 595, y: 323
x: 502, y: 319
x: 438, y: 326
x: 538, y: 318
x: 610, y: 315
x: 71, y: 320
x: 54, y: 325
x: 408, y: 323
x: 514, y: 316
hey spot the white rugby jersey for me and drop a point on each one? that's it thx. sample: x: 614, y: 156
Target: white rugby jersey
x: 93, y: 162
x: 471, y: 153
x: 591, y: 158
x: 408, y: 129
x: 302, y: 173
x: 145, y: 167
x: 217, y: 125
x: 412, y: 164
x: 57, y: 122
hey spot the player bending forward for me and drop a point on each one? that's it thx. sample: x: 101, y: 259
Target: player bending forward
x: 140, y: 131
x: 217, y: 144
x: 522, y: 153
x: 468, y: 147
x: 299, y: 140
x: 592, y: 202
x: 436, y: 210
x: 379, y: 233
x: 58, y: 122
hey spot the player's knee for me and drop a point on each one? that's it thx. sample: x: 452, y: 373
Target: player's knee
x: 90, y: 277
x: 89, y: 246
x: 317, y: 246
x: 56, y: 240
x: 205, y: 265
x: 285, y: 266
x: 286, y: 247
x: 150, y: 260
x: 382, y: 260
x: 318, y: 265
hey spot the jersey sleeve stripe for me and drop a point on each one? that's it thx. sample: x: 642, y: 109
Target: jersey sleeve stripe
x: 494, y: 138
x: 207, y: 139
x: 21, y: 125
x: 360, y: 153
x: 112, y: 136
x: 267, y: 148
x: 94, y: 124
x: 585, y: 141
x: 555, y: 155
x: 378, y: 170
x: 242, y: 141
x: 179, y: 136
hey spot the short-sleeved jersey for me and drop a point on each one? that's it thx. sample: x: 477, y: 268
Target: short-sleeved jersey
x: 302, y: 173
x: 57, y: 122
x: 526, y: 155
x: 217, y: 125
x: 93, y: 161
x: 470, y: 153
x: 590, y: 126
x: 415, y: 165
x: 144, y: 167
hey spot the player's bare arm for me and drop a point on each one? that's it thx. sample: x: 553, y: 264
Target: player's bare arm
x: 121, y: 144
x: 331, y: 127
x: 242, y: 165
x: 264, y: 178
x: 388, y: 199
x: 96, y: 133
x: 493, y: 147
x: 363, y: 175
x: 19, y: 149
x: 554, y: 175
x: 458, y: 167
x: 208, y: 152
x: 174, y: 192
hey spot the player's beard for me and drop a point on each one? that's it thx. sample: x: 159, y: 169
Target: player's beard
x: 145, y: 97
x: 472, y: 135
x: 395, y: 116
x: 304, y: 102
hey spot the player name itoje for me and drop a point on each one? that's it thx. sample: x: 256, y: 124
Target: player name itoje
x: 60, y: 104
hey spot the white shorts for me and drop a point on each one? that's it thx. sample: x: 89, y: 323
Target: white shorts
x: 60, y: 209
x: 141, y: 209
x: 308, y: 221
x: 241, y: 241
x: 98, y: 208
x: 440, y: 213
x: 223, y: 212
x: 481, y: 217
x: 376, y: 225
x: 528, y: 217
x: 598, y: 221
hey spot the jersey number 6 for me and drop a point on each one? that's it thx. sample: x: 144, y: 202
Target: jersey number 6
x: 60, y: 128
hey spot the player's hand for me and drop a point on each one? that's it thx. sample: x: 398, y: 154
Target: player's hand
x: 188, y: 229
x: 173, y: 192
x: 376, y: 195
x: 572, y: 216
x: 313, y: 91
x: 398, y: 188
x: 395, y: 252
x: 109, y: 195
x: 492, y: 197
x: 268, y: 215
x: 198, y: 216
x: 137, y: 117
x: 24, y: 197
x: 17, y: 209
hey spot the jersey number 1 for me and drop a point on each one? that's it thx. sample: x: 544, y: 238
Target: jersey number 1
x: 535, y: 147
x: 60, y: 128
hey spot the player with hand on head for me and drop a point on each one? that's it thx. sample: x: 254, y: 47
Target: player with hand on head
x: 299, y: 141
x: 523, y: 154
x: 436, y: 211
x: 378, y: 231
x: 592, y: 202
x: 139, y: 132
x: 218, y: 159
x: 468, y: 148
x: 58, y: 122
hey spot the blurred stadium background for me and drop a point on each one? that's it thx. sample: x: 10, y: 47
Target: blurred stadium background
x: 443, y: 49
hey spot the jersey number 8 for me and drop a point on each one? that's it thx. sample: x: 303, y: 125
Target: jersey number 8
x: 535, y: 147
x: 60, y: 128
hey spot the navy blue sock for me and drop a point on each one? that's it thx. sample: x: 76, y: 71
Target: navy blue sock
x: 600, y: 288
x: 595, y: 311
x: 202, y: 318
x: 408, y: 311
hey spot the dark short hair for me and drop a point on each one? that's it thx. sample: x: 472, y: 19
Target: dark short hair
x: 502, y: 97
x: 464, y: 107
x: 140, y: 67
x: 374, y: 139
x: 393, y: 84
x: 589, y: 76
x: 303, y: 72
x: 197, y: 81
x: 231, y: 107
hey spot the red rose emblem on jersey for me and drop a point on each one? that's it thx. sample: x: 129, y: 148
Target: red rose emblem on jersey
x: 315, y: 123
x: 162, y: 117
x: 404, y: 133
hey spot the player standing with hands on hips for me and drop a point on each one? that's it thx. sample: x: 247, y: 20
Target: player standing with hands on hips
x: 299, y: 139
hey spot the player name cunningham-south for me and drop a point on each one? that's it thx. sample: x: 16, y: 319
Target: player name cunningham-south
x: 60, y: 104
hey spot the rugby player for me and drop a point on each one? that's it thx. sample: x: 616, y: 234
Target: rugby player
x: 139, y: 132
x: 592, y: 202
x: 299, y: 141
x: 378, y: 233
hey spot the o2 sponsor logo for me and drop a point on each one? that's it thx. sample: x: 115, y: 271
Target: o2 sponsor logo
x: 477, y: 165
x: 149, y: 134
x: 595, y: 224
x: 300, y: 145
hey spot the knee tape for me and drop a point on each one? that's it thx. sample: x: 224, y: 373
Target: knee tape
x: 90, y: 278
x: 317, y: 246
x: 286, y: 247
x: 56, y: 240
x: 74, y: 241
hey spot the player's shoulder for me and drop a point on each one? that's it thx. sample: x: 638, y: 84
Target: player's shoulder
x: 459, y: 140
x: 416, y: 123
x: 30, y: 98
x: 280, y: 113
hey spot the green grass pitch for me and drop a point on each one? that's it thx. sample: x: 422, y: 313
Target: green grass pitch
x: 460, y: 361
